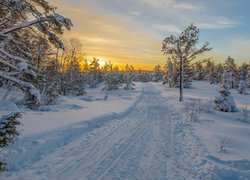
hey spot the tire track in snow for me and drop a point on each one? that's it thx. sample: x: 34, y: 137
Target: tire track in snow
x: 143, y: 144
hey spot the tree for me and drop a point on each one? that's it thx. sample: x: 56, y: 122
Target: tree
x: 8, y: 130
x: 199, y: 71
x: 184, y: 49
x: 242, y: 78
x: 225, y: 101
x: 157, y: 75
x: 172, y: 72
x: 20, y: 22
x: 72, y: 76
x: 112, y: 78
x: 128, y: 75
x: 94, y: 75
x: 231, y: 69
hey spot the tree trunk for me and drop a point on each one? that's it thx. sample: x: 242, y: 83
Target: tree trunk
x: 181, y: 79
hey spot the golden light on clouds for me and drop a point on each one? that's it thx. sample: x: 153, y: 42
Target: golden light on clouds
x: 112, y: 39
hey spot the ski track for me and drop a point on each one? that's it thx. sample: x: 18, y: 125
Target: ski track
x: 150, y: 142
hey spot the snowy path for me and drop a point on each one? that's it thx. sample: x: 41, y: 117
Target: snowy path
x: 150, y: 142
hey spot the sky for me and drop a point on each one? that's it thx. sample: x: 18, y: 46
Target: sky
x: 132, y: 31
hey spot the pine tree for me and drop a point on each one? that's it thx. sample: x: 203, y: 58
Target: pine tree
x: 8, y: 130
x: 157, y: 74
x: 50, y: 87
x: 225, y: 101
x: 128, y: 75
x: 242, y: 87
x: 22, y: 21
x: 173, y: 73
x: 242, y: 78
x: 169, y: 77
x: 111, y: 78
x: 231, y: 68
x: 94, y: 75
x: 199, y: 71
x: 184, y: 49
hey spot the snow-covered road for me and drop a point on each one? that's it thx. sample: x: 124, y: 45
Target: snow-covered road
x: 151, y: 141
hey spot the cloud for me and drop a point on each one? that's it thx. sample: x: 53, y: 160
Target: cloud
x: 170, y: 4
x: 217, y: 23
x: 134, y: 13
x: 166, y: 27
x: 114, y: 40
x: 186, y: 6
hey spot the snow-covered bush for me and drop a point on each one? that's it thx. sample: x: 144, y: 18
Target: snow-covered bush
x: 8, y: 130
x: 207, y: 106
x: 223, y: 144
x: 244, y: 115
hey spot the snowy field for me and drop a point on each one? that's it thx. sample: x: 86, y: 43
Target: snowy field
x: 140, y: 134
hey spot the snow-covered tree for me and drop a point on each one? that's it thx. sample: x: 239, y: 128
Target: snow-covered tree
x: 242, y: 78
x: 51, y: 82
x: 213, y: 72
x: 199, y: 70
x: 8, y: 130
x: 143, y: 76
x: 94, y: 75
x: 225, y: 101
x: 217, y: 75
x: 128, y: 75
x: 184, y: 49
x: 111, y: 78
x: 242, y: 87
x: 73, y: 77
x: 230, y: 67
x: 20, y: 20
x: 157, y: 74
x: 172, y: 72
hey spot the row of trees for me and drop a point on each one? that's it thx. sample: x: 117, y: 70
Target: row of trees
x: 238, y: 76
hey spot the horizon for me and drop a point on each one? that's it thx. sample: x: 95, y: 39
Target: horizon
x: 132, y: 32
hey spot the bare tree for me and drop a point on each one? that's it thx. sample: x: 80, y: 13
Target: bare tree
x: 184, y: 49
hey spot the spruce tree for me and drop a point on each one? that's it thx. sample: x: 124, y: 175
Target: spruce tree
x: 111, y: 78
x: 157, y: 74
x: 128, y: 75
x: 231, y: 68
x: 242, y: 78
x: 225, y: 101
x: 8, y: 130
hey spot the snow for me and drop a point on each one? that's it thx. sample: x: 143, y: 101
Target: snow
x: 216, y: 125
x: 78, y: 109
x: 138, y: 134
x: 7, y: 106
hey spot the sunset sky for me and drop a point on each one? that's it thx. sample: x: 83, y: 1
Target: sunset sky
x: 131, y: 31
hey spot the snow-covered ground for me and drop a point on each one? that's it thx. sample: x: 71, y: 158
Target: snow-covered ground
x: 139, y: 134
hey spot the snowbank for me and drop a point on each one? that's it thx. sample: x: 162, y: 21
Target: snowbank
x: 70, y: 110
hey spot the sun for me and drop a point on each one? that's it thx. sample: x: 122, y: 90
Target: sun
x: 102, y: 62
